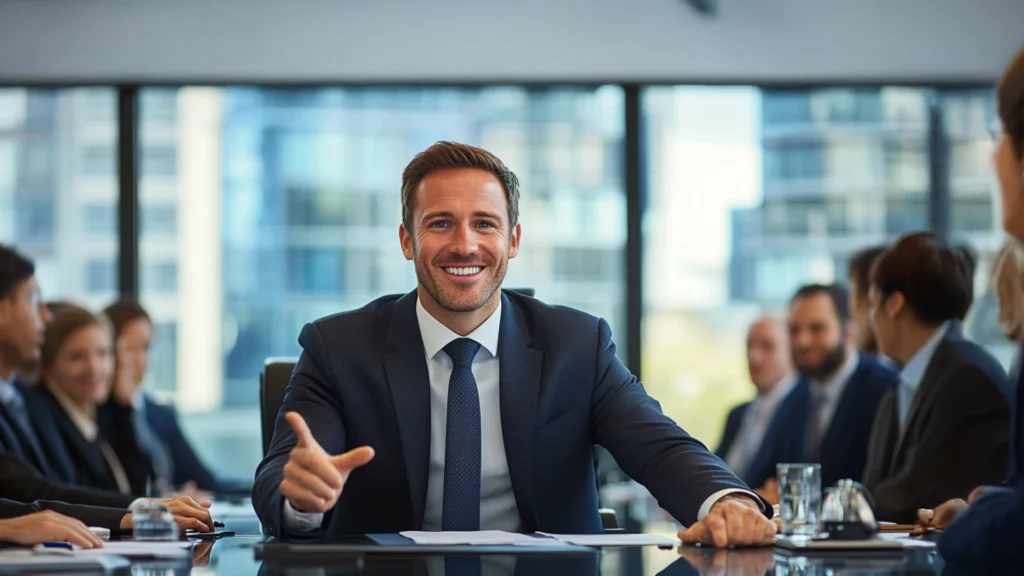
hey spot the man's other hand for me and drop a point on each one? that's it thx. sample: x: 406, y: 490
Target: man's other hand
x: 732, y: 521
x: 313, y: 479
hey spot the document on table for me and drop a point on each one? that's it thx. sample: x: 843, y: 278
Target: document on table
x: 500, y: 538
x: 906, y: 540
x: 599, y: 540
x: 135, y: 549
x: 21, y: 561
x: 481, y: 538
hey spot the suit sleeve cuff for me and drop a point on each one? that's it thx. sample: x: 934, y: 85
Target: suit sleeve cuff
x: 705, y: 508
x: 299, y: 522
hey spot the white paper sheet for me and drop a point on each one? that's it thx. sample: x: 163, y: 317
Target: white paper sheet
x: 481, y: 538
x: 599, y: 540
x: 18, y: 559
x: 132, y: 549
x: 905, y: 539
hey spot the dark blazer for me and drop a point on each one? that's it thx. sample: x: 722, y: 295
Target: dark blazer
x: 362, y: 380
x: 957, y: 434
x: 21, y: 482
x: 163, y: 419
x: 844, y: 448
x: 55, y: 451
x: 115, y: 425
x: 109, y: 518
x: 762, y: 466
x: 989, y: 534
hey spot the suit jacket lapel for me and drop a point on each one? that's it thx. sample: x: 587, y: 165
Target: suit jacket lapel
x: 409, y: 384
x: 881, y: 447
x: 926, y: 389
x: 519, y: 388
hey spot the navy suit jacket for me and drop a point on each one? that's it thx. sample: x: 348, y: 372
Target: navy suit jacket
x: 163, y: 419
x: 762, y: 466
x: 989, y: 534
x: 362, y: 380
x: 844, y: 448
x: 115, y: 425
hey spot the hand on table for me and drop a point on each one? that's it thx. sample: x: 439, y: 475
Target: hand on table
x: 941, y: 517
x: 47, y: 526
x: 732, y: 521
x: 755, y: 562
x: 313, y: 479
x: 188, y: 514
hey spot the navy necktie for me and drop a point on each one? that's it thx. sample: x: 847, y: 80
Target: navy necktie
x: 461, y: 506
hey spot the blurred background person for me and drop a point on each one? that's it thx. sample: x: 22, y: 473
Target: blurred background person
x: 1008, y: 285
x: 76, y: 367
x: 988, y: 533
x: 26, y: 429
x: 175, y: 463
x: 946, y: 428
x: 751, y: 428
x: 839, y: 389
x: 858, y: 276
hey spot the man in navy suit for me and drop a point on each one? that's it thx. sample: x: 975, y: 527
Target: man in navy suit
x: 988, y: 533
x: 751, y: 428
x: 832, y: 408
x: 460, y: 406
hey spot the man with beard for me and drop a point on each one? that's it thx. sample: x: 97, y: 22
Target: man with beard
x: 463, y: 407
x: 834, y: 403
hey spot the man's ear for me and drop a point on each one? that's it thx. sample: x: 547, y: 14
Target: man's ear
x: 405, y: 238
x: 513, y: 241
x: 894, y: 304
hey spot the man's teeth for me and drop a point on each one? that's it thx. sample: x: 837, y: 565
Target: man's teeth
x: 463, y: 271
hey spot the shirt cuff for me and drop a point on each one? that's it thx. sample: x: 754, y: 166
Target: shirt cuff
x: 705, y: 508
x: 295, y: 521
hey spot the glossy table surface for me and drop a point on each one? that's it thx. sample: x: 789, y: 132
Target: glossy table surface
x: 237, y: 555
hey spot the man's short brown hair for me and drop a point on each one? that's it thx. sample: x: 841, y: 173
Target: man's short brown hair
x: 937, y: 280
x: 450, y: 156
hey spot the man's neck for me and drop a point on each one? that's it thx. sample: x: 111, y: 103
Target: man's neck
x: 462, y: 323
x: 914, y: 337
x: 6, y: 371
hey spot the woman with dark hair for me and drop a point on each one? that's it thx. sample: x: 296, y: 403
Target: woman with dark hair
x: 175, y: 463
x: 76, y: 365
x: 990, y: 527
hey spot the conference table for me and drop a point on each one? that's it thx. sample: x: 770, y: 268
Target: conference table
x: 240, y: 555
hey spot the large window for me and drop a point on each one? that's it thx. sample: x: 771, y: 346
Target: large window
x: 57, y: 201
x: 264, y: 209
x: 752, y: 193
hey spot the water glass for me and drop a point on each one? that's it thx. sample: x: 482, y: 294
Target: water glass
x: 799, y: 498
x: 153, y: 520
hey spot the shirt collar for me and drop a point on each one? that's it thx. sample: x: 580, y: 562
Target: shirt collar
x: 436, y: 335
x: 913, y: 372
x: 85, y: 424
x: 7, y: 391
x: 780, y: 391
x: 834, y: 385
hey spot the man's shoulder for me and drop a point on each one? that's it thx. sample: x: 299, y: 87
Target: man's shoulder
x: 551, y: 320
x: 875, y: 374
x: 377, y: 311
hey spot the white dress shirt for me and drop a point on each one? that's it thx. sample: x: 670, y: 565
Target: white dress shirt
x: 87, y: 426
x: 756, y: 419
x: 832, y: 389
x: 498, y: 509
x: 913, y: 372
